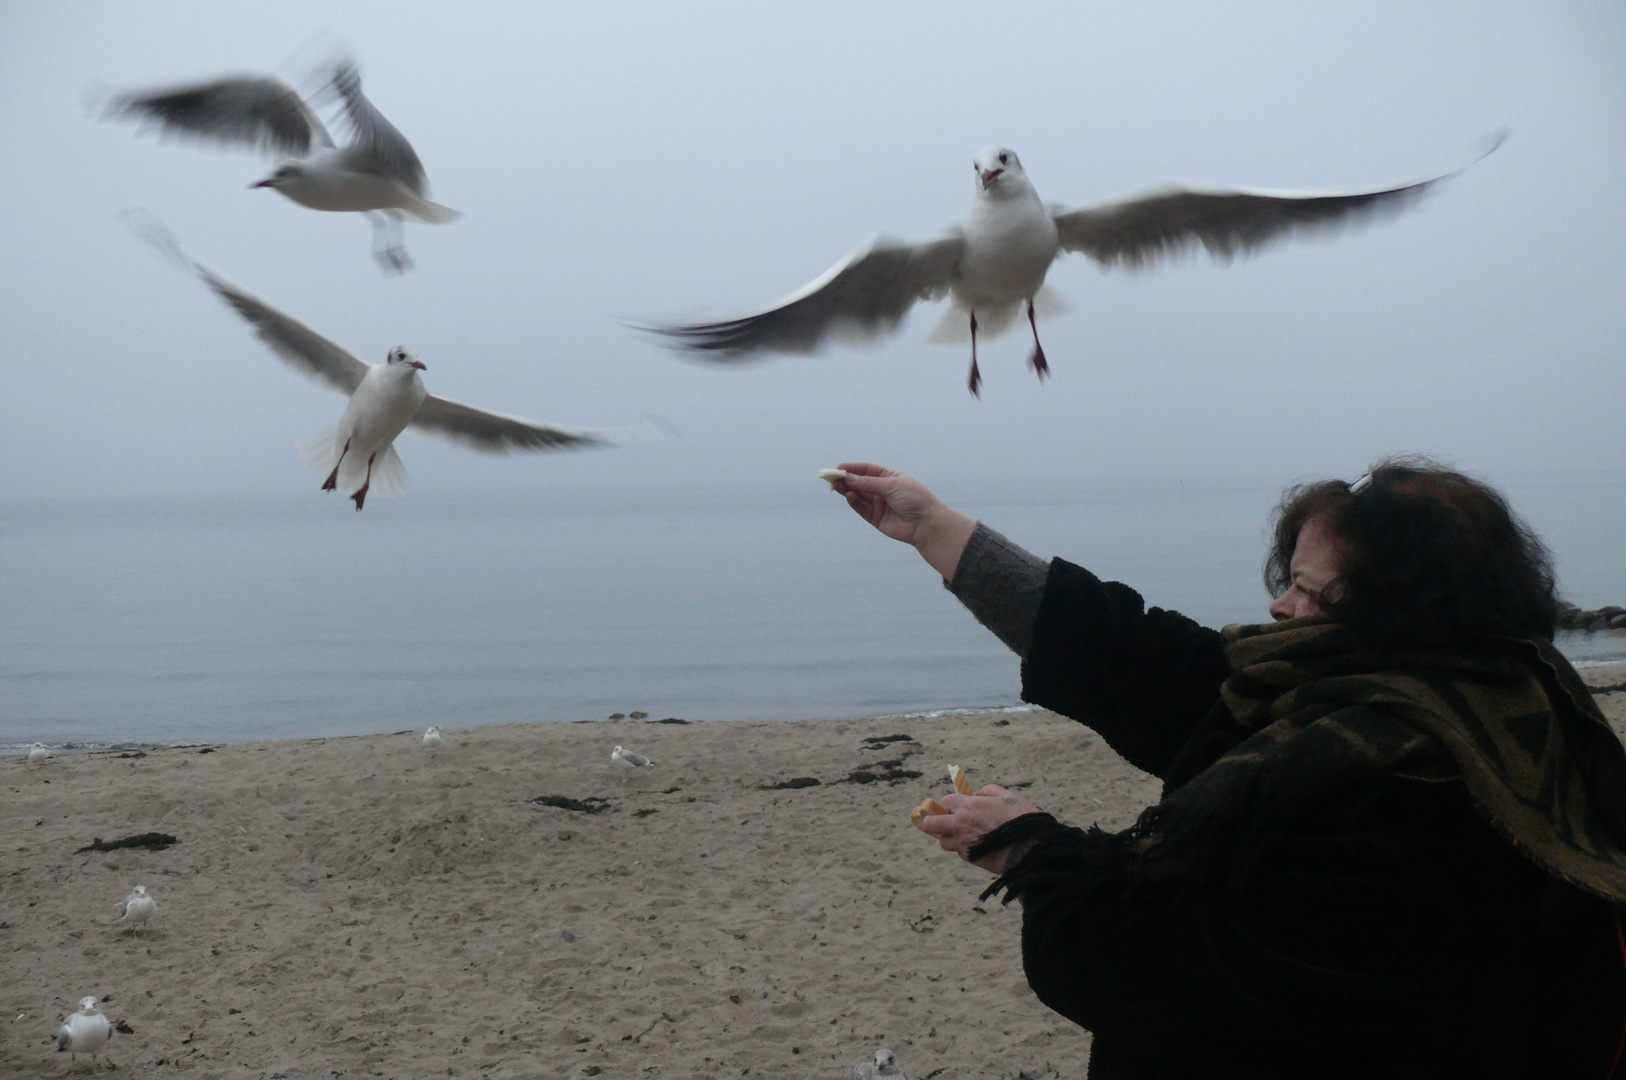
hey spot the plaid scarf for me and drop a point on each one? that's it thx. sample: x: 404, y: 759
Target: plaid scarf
x: 1508, y: 718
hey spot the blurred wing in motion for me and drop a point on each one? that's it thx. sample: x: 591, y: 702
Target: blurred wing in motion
x: 298, y: 344
x: 495, y: 433
x: 1170, y: 223
x: 259, y: 112
x: 375, y: 141
x: 865, y: 295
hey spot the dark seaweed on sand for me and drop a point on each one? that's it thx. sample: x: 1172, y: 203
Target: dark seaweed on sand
x: 152, y: 841
x: 794, y: 782
x: 590, y: 805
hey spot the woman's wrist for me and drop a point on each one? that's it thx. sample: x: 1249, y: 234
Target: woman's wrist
x: 941, y: 535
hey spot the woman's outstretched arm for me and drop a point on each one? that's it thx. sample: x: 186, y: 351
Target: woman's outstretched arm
x: 904, y: 509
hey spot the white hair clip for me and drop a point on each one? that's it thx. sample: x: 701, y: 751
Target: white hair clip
x: 1362, y: 484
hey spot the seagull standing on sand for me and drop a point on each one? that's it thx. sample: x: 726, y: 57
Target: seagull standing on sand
x: 37, y: 754
x: 384, y: 398
x: 993, y: 266
x: 431, y: 738
x: 84, y: 1032
x: 377, y: 174
x: 884, y: 1067
x: 629, y: 759
x: 138, y: 908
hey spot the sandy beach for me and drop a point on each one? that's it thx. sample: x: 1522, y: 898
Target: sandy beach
x: 363, y: 907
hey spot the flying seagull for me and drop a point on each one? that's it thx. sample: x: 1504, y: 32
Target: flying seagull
x: 377, y: 173
x: 85, y: 1031
x: 993, y: 266
x: 384, y: 398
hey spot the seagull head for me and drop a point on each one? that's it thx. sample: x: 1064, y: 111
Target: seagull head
x: 141, y: 890
x: 289, y: 172
x: 403, y: 355
x: 885, y: 1060
x: 998, y: 171
x: 87, y: 1004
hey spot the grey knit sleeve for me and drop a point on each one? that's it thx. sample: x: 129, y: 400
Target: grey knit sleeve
x: 1000, y: 584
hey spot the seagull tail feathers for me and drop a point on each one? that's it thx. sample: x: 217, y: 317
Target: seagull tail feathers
x: 956, y: 324
x: 389, y: 474
x: 430, y: 213
x: 320, y: 452
x: 1048, y: 303
x: 952, y: 329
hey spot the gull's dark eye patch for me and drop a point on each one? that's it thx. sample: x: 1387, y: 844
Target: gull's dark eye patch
x: 1004, y: 159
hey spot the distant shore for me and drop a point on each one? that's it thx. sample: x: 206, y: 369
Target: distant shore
x: 512, y: 905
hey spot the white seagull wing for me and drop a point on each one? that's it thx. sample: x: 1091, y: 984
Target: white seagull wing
x: 495, y: 433
x: 1166, y: 224
x: 298, y: 344
x: 377, y: 144
x: 863, y: 296
x: 260, y: 112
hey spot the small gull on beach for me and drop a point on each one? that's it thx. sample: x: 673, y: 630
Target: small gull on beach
x: 431, y: 738
x: 995, y: 263
x: 884, y: 1067
x: 138, y: 908
x: 85, y: 1031
x: 384, y: 398
x: 37, y: 754
x: 377, y: 174
x: 629, y: 759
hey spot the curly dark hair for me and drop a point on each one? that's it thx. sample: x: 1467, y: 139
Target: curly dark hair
x: 1429, y: 556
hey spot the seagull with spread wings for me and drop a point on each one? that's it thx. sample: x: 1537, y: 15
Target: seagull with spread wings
x: 384, y: 398
x: 993, y: 267
x: 377, y: 173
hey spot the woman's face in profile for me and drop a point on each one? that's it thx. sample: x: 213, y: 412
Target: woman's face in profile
x: 1315, y: 569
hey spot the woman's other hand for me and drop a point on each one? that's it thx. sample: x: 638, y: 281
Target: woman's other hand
x: 971, y: 817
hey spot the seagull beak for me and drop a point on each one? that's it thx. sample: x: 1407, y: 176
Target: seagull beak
x: 989, y: 176
x: 267, y: 183
x: 419, y: 364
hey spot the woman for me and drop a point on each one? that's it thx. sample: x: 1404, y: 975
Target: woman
x: 1391, y: 836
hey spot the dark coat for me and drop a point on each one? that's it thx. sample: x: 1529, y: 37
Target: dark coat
x: 1390, y: 933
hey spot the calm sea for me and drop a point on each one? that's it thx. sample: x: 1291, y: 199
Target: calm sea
x: 218, y: 619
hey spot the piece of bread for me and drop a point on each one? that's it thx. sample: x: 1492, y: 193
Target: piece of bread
x: 920, y: 813
x: 832, y: 475
x: 961, y: 784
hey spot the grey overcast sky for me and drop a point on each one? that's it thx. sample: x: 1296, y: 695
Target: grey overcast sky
x: 655, y: 160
